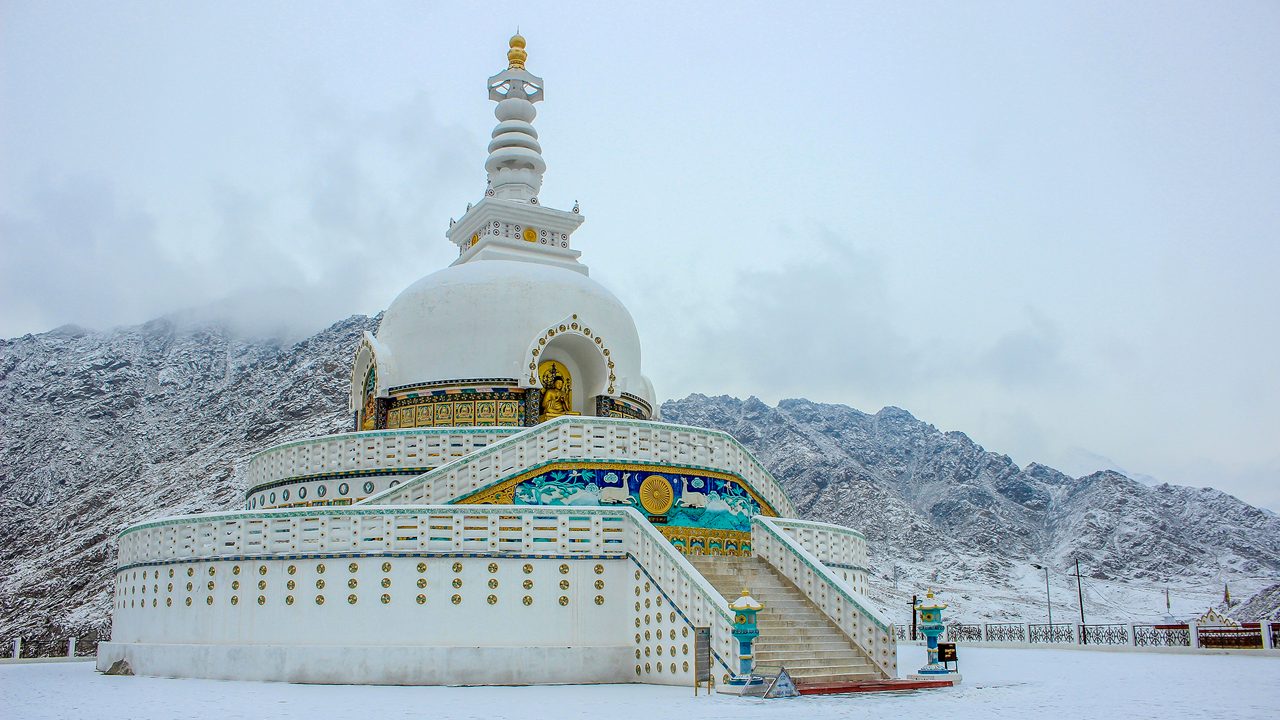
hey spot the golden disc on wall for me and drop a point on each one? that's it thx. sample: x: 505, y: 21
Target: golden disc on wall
x: 656, y: 495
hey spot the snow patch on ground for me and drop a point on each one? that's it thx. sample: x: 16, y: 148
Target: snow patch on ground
x: 999, y: 683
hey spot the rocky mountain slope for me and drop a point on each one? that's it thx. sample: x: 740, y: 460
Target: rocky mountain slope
x: 99, y: 430
x: 905, y: 484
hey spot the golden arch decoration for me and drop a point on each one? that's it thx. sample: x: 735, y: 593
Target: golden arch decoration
x: 369, y: 411
x: 571, y: 326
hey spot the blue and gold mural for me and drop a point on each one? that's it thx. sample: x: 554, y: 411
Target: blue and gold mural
x: 700, y: 511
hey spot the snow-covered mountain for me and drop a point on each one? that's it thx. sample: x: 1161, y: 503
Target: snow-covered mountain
x: 103, y: 429
x: 99, y: 430
x: 951, y: 514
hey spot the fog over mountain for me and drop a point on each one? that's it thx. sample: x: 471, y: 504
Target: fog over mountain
x: 103, y: 429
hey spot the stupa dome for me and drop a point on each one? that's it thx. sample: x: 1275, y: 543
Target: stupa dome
x: 490, y: 319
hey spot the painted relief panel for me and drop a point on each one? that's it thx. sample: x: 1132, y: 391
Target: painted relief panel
x: 443, y: 413
x: 464, y: 412
x: 508, y: 412
x: 456, y: 410
x: 698, y: 512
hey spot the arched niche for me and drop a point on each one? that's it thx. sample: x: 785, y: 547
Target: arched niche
x: 368, y: 364
x: 584, y: 356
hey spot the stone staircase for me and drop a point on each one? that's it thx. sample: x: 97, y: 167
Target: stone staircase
x: 793, y: 633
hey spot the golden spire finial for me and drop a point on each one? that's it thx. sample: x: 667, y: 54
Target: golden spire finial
x: 517, y: 55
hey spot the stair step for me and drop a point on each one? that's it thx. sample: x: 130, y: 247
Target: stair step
x: 817, y: 667
x: 846, y: 657
x: 832, y: 679
x: 800, y: 629
x: 787, y: 645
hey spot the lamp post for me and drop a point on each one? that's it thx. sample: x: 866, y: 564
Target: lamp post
x: 1048, y: 602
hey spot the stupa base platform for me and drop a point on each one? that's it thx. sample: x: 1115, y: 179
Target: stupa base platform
x: 865, y: 686
x: 375, y: 664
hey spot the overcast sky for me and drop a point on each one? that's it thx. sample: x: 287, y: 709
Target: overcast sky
x: 1050, y: 225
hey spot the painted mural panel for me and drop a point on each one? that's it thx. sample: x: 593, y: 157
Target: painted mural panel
x: 464, y: 412
x: 508, y: 412
x: 677, y: 499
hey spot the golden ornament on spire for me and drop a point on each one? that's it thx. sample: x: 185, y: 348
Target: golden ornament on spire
x: 517, y: 55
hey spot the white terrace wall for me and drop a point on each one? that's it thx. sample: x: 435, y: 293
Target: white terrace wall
x: 412, y: 595
x: 352, y: 466
x: 590, y: 439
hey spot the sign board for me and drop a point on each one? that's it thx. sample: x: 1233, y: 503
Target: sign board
x: 770, y: 681
x: 782, y: 687
x: 703, y: 659
x: 947, y: 654
x: 701, y: 654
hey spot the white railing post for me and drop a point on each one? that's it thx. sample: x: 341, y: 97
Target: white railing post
x: 71, y: 647
x: 1265, y: 628
x: 1195, y: 633
x: 17, y: 648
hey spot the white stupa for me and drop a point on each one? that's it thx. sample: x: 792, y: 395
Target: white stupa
x: 507, y: 507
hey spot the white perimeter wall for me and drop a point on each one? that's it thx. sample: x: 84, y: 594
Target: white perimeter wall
x: 583, y: 595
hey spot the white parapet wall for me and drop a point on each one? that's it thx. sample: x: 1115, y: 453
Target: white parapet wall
x: 591, y: 438
x: 412, y: 595
x: 352, y: 466
x: 843, y: 550
x: 851, y: 611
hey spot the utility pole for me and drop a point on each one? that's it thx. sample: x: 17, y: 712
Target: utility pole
x: 914, y: 600
x: 1084, y: 637
x: 1047, y: 600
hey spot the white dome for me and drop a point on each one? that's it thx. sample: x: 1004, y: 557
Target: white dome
x: 481, y: 320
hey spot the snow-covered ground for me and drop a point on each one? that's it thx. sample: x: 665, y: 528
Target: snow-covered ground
x: 999, y: 683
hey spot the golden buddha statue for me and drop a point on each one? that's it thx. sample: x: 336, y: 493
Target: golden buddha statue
x: 557, y: 389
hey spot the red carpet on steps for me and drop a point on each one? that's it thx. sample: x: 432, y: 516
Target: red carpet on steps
x: 871, y: 686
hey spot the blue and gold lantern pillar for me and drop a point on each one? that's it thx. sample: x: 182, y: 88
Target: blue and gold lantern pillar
x: 745, y: 630
x: 931, y: 625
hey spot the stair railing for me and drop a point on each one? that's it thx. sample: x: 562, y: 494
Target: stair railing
x: 695, y: 598
x: 842, y: 550
x: 848, y: 610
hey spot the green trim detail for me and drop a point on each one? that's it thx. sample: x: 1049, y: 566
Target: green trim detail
x: 357, y: 510
x: 339, y: 475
